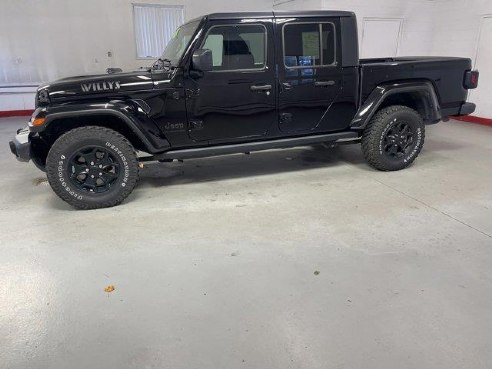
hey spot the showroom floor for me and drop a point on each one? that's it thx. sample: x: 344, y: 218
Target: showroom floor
x: 302, y: 258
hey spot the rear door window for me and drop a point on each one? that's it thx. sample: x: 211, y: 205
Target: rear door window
x: 308, y: 45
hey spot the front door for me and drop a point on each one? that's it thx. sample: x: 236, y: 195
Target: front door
x: 236, y: 100
x: 310, y: 73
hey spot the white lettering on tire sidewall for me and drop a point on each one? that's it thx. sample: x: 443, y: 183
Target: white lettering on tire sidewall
x: 125, y: 162
x: 63, y: 182
x: 66, y: 185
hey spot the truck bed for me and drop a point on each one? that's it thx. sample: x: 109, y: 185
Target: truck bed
x: 445, y: 73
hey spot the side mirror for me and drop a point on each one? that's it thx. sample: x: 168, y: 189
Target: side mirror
x: 202, y: 60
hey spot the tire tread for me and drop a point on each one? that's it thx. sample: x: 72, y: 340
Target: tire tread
x: 370, y: 138
x: 75, y: 135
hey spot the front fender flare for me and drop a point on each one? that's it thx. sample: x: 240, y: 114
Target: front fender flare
x: 424, y: 88
x: 134, y: 120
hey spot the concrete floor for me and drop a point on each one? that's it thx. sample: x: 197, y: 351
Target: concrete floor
x: 215, y: 263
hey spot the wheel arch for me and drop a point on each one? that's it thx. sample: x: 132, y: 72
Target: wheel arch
x: 419, y: 96
x: 64, y: 123
x: 60, y: 122
x: 118, y: 164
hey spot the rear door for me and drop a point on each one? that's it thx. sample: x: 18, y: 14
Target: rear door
x: 236, y: 100
x: 310, y: 72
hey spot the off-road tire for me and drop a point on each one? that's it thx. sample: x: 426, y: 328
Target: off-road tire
x: 375, y: 135
x: 59, y: 167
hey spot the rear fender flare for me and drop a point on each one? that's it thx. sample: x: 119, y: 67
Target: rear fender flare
x: 425, y: 90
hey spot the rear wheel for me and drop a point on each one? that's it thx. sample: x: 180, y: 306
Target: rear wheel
x: 393, y: 138
x: 92, y: 167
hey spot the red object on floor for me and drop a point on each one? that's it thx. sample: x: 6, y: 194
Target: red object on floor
x: 474, y: 119
x: 16, y: 113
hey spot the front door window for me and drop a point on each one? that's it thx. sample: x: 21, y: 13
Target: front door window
x: 237, y: 47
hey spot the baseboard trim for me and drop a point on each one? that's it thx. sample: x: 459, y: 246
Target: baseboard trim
x: 474, y: 119
x: 16, y: 113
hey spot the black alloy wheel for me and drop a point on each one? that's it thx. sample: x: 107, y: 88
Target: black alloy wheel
x: 94, y: 169
x: 398, y: 140
x: 393, y: 138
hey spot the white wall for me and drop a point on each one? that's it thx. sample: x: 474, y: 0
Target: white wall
x: 456, y: 26
x: 297, y: 4
x: 430, y: 27
x: 380, y: 37
x: 43, y: 40
x: 416, y: 15
x: 456, y: 31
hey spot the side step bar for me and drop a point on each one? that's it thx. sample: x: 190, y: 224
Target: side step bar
x: 283, y: 143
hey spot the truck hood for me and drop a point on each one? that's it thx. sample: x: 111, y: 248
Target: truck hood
x: 103, y: 84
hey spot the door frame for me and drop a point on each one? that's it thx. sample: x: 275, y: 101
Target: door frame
x: 335, y: 67
x: 268, y: 67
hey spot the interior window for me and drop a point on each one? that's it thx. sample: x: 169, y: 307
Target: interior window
x: 256, y: 44
x: 301, y: 45
x: 328, y: 41
x: 305, y: 45
x: 215, y: 43
x: 237, y: 47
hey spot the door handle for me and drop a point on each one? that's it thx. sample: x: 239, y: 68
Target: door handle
x: 286, y: 85
x: 324, y: 83
x: 261, y: 87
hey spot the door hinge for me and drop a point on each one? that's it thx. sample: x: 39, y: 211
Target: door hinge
x: 285, y: 117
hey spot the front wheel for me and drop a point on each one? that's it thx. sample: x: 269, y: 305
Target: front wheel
x: 393, y: 138
x: 92, y: 167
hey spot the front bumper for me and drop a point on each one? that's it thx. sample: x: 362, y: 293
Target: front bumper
x: 21, y: 145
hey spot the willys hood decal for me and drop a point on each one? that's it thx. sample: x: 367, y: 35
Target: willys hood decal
x: 103, y: 84
x: 100, y: 86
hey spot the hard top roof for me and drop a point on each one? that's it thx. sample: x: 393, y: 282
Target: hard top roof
x: 279, y: 14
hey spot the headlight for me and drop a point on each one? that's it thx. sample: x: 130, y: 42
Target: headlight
x: 42, y: 98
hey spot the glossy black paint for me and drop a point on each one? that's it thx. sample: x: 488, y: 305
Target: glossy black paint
x: 307, y: 98
x: 127, y: 112
x: 445, y: 73
x: 182, y: 108
x: 233, y: 104
x: 424, y: 89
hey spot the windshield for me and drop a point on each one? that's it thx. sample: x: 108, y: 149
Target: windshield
x: 179, y: 42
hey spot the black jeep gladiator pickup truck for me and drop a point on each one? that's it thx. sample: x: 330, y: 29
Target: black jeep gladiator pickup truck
x: 233, y: 83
